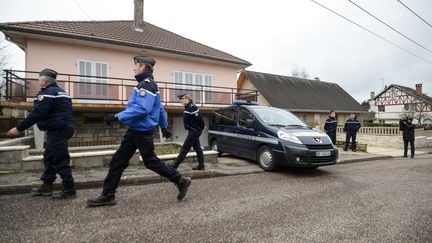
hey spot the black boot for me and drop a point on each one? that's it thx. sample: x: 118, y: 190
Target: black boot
x: 44, y: 190
x: 345, y: 149
x: 102, y: 200
x: 65, y: 194
x: 183, y: 186
x: 200, y: 166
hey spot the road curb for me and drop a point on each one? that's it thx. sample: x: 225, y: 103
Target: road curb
x: 126, y: 181
x: 378, y: 157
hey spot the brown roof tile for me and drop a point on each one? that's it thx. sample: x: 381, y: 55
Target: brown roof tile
x: 123, y: 33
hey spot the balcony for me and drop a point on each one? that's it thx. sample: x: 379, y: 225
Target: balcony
x: 109, y: 93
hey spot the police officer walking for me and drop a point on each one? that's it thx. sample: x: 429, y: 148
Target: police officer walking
x: 143, y: 113
x: 194, y: 124
x: 407, y: 128
x: 53, y: 113
x: 352, y: 125
x: 331, y: 126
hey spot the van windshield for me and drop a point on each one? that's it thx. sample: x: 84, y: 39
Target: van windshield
x: 277, y: 117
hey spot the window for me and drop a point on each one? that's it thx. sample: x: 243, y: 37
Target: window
x: 198, y: 85
x: 381, y: 108
x: 410, y: 107
x: 244, y: 115
x: 92, y: 87
x: 225, y: 117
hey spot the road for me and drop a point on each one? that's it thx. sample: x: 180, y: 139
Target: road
x: 382, y: 201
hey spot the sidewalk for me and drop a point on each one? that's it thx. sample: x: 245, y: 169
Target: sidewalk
x: 22, y: 182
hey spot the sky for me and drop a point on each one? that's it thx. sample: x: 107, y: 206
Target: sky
x: 276, y: 36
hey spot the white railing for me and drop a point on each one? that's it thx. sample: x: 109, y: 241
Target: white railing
x: 389, y: 131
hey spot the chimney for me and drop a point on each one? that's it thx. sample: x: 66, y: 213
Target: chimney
x: 418, y: 89
x: 139, y: 15
x: 372, y: 95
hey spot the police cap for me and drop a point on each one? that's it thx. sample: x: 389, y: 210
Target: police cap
x: 145, y: 59
x: 49, y: 73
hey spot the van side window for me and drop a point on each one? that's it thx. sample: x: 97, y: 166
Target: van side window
x: 244, y: 115
x: 225, y: 117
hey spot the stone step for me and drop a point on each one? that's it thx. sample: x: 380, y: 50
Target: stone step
x: 82, y: 160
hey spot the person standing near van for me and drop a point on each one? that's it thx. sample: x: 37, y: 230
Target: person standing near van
x: 194, y: 124
x: 53, y: 113
x: 407, y: 128
x: 143, y: 113
x: 352, y: 125
x: 331, y: 126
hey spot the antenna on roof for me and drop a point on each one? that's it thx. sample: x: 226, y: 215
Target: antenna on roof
x: 139, y: 15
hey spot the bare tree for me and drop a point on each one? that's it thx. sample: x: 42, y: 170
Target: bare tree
x: 418, y: 115
x: 299, y: 73
x: 4, y: 60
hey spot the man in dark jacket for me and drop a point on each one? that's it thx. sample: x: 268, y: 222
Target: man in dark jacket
x: 143, y: 113
x: 352, y: 125
x: 407, y: 128
x: 194, y: 124
x: 331, y: 126
x: 53, y: 113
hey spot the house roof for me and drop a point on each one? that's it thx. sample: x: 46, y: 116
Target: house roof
x: 297, y: 94
x: 123, y: 33
x: 408, y: 90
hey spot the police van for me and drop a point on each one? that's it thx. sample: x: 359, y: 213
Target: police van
x: 271, y: 136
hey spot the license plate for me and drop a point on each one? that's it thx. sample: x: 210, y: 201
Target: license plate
x: 323, y: 153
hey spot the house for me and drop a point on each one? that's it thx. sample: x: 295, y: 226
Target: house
x: 94, y: 61
x: 396, y: 101
x: 310, y: 100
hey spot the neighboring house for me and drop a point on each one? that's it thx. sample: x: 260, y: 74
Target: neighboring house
x: 310, y: 100
x: 396, y: 101
x: 94, y: 59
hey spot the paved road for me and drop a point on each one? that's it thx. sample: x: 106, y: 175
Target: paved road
x: 381, y: 201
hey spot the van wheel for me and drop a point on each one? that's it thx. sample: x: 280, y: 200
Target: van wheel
x: 266, y: 159
x: 214, y: 147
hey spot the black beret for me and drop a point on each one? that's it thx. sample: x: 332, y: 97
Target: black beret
x: 144, y: 59
x: 49, y: 73
x: 180, y: 96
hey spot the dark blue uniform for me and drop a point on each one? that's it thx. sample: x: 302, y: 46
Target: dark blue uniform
x: 351, y: 128
x: 194, y: 124
x: 330, y: 128
x: 53, y: 113
x: 408, y: 136
x: 143, y: 113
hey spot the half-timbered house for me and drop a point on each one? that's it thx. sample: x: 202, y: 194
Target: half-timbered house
x: 397, y: 101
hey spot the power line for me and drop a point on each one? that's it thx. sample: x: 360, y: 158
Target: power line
x: 414, y: 13
x: 82, y: 9
x: 373, y: 33
x: 364, y: 10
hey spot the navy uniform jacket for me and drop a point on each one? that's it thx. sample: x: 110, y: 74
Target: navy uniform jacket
x: 144, y: 109
x: 330, y: 124
x: 407, y: 130
x: 352, y: 125
x: 192, y: 120
x: 52, y: 110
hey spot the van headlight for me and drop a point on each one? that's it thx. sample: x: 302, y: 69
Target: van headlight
x: 288, y: 137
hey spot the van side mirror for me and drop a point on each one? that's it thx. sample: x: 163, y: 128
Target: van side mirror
x: 249, y: 123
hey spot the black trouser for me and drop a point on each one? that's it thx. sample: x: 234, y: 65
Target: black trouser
x: 351, y: 135
x: 192, y: 140
x: 56, y: 157
x: 332, y: 136
x: 143, y: 141
x: 411, y: 142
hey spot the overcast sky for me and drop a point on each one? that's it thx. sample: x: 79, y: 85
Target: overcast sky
x: 276, y: 36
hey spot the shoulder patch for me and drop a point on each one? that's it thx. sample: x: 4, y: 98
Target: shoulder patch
x: 40, y: 97
x: 142, y: 92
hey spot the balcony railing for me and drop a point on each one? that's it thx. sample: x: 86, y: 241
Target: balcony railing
x: 22, y: 86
